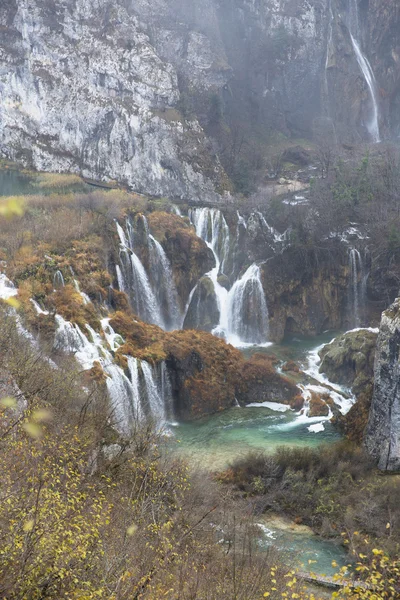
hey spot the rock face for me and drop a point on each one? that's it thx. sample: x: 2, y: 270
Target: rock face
x: 349, y: 360
x: 304, y: 298
x: 382, y: 436
x: 116, y: 89
x: 83, y: 90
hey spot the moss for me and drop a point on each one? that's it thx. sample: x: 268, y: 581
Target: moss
x: 69, y: 304
x: 318, y: 405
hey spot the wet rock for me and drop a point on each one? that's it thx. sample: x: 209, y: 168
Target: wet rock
x: 349, y: 360
x: 203, y: 312
x: 261, y: 383
x: 382, y: 436
x: 319, y: 405
x: 224, y: 282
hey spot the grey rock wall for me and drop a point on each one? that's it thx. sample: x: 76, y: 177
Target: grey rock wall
x: 382, y: 436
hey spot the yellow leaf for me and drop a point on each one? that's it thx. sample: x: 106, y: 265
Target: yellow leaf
x: 8, y: 402
x: 28, y: 526
x: 387, y: 525
x: 41, y: 415
x: 13, y: 302
x: 132, y: 529
x: 32, y: 429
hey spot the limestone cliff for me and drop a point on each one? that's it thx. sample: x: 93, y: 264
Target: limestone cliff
x: 83, y: 90
x: 150, y: 92
x: 382, y: 437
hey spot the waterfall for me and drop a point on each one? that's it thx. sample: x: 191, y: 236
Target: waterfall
x: 163, y: 283
x: 211, y: 226
x: 166, y: 390
x: 133, y: 279
x: 155, y: 402
x: 354, y: 29
x: 58, y: 280
x: 142, y: 391
x: 243, y: 313
x: 7, y: 288
x: 135, y: 396
x: 357, y: 286
x: 152, y: 293
x: 329, y: 47
x: 248, y: 312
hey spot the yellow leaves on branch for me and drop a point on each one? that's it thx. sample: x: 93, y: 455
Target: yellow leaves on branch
x: 51, y: 514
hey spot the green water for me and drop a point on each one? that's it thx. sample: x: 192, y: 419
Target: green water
x: 294, y: 348
x: 14, y: 183
x: 302, y: 549
x: 215, y: 441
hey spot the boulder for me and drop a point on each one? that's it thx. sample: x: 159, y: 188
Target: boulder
x: 349, y: 360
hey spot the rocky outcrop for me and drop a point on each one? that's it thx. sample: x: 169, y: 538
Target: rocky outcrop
x: 188, y: 254
x: 349, y: 360
x: 260, y: 382
x: 203, y: 311
x: 382, y: 436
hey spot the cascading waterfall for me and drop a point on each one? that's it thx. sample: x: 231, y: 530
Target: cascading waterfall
x: 243, y: 313
x: 166, y: 390
x: 155, y: 401
x: 145, y: 393
x: 372, y: 123
x: 357, y: 286
x: 153, y: 294
x: 248, y: 312
x: 163, y: 283
x: 132, y: 279
x: 328, y: 55
x: 58, y: 280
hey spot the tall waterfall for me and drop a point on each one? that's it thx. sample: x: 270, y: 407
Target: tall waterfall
x: 152, y: 293
x: 163, y: 284
x: 243, y: 313
x: 328, y: 60
x: 357, y: 286
x: 372, y: 123
x: 247, y: 308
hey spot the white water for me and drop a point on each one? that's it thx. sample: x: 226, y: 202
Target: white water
x: 152, y: 293
x: 327, y: 60
x: 243, y: 312
x: 247, y: 309
x: 155, y: 400
x: 372, y: 122
x: 38, y: 308
x: 132, y: 398
x: 357, y: 286
x: 7, y: 288
x: 58, y: 280
x: 164, y: 285
x: 342, y: 396
x: 133, y: 279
